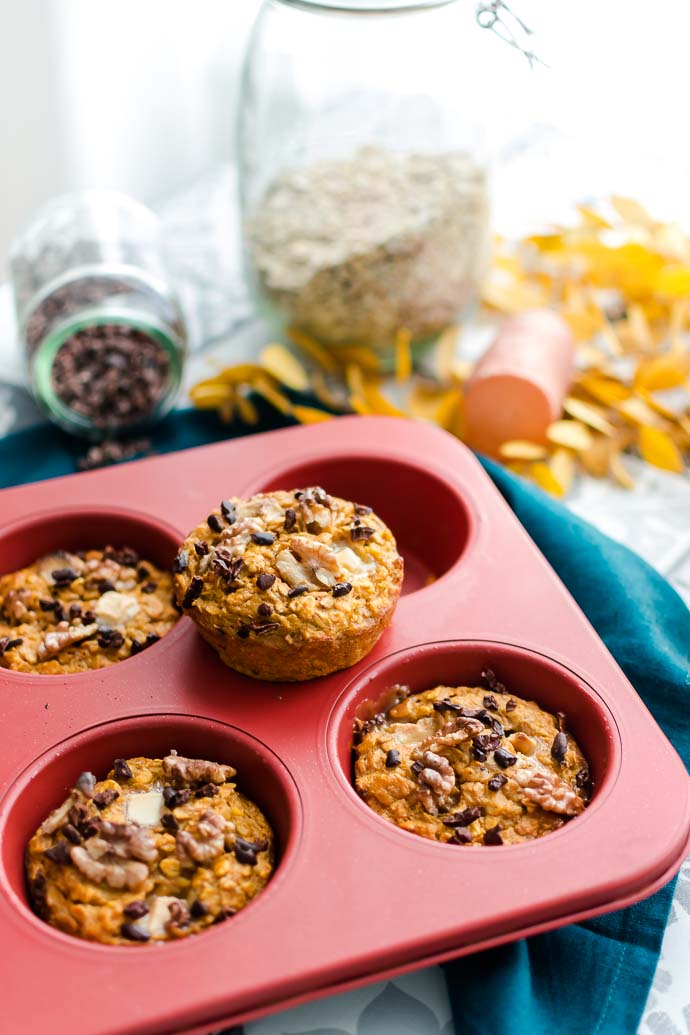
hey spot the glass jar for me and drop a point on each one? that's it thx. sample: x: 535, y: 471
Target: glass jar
x: 103, y: 334
x: 363, y: 170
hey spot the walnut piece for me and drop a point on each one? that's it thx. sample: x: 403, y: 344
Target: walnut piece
x: 209, y: 841
x: 64, y: 635
x: 54, y: 561
x: 314, y: 507
x: 308, y: 562
x: 125, y: 873
x: 521, y: 742
x: 458, y: 731
x: 237, y: 537
x: 437, y: 774
x: 124, y: 841
x: 193, y: 770
x: 265, y: 508
x: 59, y: 816
x: 549, y: 791
x: 15, y: 604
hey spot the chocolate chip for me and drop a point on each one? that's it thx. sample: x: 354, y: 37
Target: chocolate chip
x: 201, y: 548
x: 59, y: 853
x: 491, y: 703
x: 86, y: 783
x: 194, y: 590
x: 89, y: 617
x: 464, y: 818
x: 59, y: 613
x: 135, y: 647
x: 416, y: 768
x: 265, y: 581
x: 135, y: 910
x: 265, y: 610
x: 489, y: 677
x: 261, y: 628
x: 392, y: 759
x: 497, y: 727
x: 361, y: 509
x: 496, y: 782
x: 582, y: 778
x: 106, y: 586
x: 361, y: 532
x: 180, y: 563
x: 47, y: 605
x: 134, y: 933
x: 16, y: 642
x: 151, y: 639
x: 75, y: 611
x: 511, y: 704
x: 169, y: 796
x: 488, y: 741
x: 168, y: 822
x: 290, y: 519
x: 561, y: 720
x: 479, y: 753
x: 142, y: 573
x: 121, y: 769
x: 298, y: 495
x: 208, y: 790
x: 297, y: 591
x: 149, y: 587
x: 243, y: 631
x: 224, y: 914
x: 182, y: 796
x: 229, y: 511
x: 245, y: 852
x: 173, y: 797
x: 341, y: 589
x: 4, y: 640
x: 64, y: 576
x: 198, y: 909
x: 105, y: 798
x: 263, y: 538
x: 214, y: 523
x: 504, y: 758
x: 461, y: 836
x: 559, y: 746
x: 492, y: 836
x: 72, y: 834
x: 110, y: 638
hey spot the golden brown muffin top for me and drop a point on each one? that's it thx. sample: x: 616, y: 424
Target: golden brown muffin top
x: 471, y: 765
x: 68, y: 612
x: 285, y: 565
x: 160, y: 849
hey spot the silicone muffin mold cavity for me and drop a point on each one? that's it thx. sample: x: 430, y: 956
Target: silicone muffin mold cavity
x: 525, y: 674
x: 431, y: 521
x: 45, y: 784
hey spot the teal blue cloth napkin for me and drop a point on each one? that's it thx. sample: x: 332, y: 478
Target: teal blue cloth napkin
x: 591, y: 978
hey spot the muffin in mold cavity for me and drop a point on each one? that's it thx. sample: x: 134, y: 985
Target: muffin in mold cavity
x: 160, y: 849
x: 72, y: 611
x: 292, y: 585
x: 470, y: 765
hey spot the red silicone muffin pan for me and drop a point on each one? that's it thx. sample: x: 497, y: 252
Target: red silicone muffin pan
x: 353, y: 897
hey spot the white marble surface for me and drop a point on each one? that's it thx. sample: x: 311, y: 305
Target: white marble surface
x: 653, y: 519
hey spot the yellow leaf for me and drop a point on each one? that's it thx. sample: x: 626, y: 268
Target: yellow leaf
x: 423, y: 401
x: 631, y: 211
x: 246, y: 409
x: 242, y: 373
x: 620, y: 472
x: 521, y: 449
x: 659, y: 449
x: 311, y: 348
x: 592, y: 218
x: 279, y: 362
x: 596, y: 459
x: 672, y: 282
x: 310, y: 415
x: 265, y: 388
x: 403, y: 355
x: 210, y: 396
x: 569, y: 433
x: 545, y: 479
x: 661, y: 372
x: 604, y: 389
x: 637, y: 411
x: 588, y: 414
x: 562, y: 464
x: 377, y: 401
x: 357, y: 355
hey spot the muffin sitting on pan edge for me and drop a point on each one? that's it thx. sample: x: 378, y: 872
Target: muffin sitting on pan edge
x: 292, y: 585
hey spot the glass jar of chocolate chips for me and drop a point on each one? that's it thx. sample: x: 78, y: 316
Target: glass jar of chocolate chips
x: 103, y: 332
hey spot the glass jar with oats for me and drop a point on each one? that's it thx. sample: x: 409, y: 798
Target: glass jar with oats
x: 363, y: 172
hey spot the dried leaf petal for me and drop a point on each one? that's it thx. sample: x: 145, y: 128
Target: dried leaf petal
x: 588, y: 414
x: 310, y: 415
x: 569, y: 433
x: 521, y: 449
x: 311, y: 348
x: 545, y: 479
x: 659, y: 449
x: 562, y: 464
x: 403, y: 355
x: 620, y: 472
x: 281, y: 364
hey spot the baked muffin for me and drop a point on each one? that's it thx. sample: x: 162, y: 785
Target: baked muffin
x: 290, y: 585
x: 69, y: 612
x: 471, y: 766
x: 161, y: 849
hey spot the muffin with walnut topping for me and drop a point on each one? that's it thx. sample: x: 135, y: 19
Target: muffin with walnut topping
x: 70, y: 612
x: 471, y: 766
x: 290, y: 585
x: 161, y: 849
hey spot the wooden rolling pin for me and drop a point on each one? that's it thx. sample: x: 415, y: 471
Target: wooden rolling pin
x: 518, y: 386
